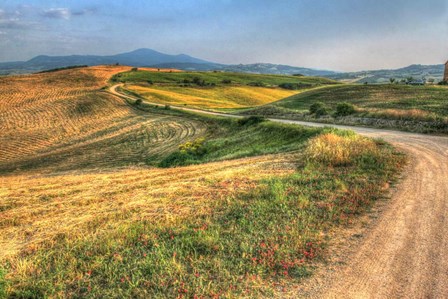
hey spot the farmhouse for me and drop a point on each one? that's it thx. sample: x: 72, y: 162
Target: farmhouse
x: 445, y: 76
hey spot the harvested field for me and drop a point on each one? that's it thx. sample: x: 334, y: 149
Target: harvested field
x: 61, y: 120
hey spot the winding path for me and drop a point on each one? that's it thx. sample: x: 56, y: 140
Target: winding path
x: 405, y: 253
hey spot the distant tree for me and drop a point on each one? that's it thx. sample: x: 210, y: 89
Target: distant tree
x: 430, y: 80
x: 134, y: 69
x: 345, y: 109
x: 410, y: 79
x: 318, y: 109
x: 391, y: 80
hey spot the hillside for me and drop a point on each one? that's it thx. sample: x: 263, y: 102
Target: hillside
x: 416, y: 71
x: 215, y: 90
x: 105, y: 197
x: 415, y: 108
x: 140, y: 57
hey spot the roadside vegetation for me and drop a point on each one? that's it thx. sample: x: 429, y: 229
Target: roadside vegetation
x: 148, y: 202
x: 413, y: 108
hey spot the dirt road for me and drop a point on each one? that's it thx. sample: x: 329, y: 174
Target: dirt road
x: 405, y: 253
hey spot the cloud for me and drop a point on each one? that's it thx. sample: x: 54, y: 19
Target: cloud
x: 66, y: 13
x: 85, y: 11
x: 57, y: 13
x: 14, y: 23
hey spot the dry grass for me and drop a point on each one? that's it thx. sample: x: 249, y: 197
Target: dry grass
x: 38, y: 209
x: 230, y: 97
x: 62, y: 117
x: 335, y: 150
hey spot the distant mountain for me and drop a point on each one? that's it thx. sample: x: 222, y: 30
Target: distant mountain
x: 152, y: 58
x: 140, y: 57
x: 417, y: 71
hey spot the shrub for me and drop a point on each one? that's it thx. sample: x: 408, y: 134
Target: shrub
x: 344, y: 109
x: 199, y: 81
x: 443, y: 83
x: 134, y: 69
x: 256, y: 84
x: 318, y: 109
x: 193, y: 148
x: 167, y: 107
x: 251, y: 120
x: 226, y: 81
x: 188, y: 153
x: 335, y: 150
x: 138, y: 102
x: 293, y: 86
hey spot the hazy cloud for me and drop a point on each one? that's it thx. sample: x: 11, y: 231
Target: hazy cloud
x: 85, y: 11
x: 57, y: 13
x: 66, y: 13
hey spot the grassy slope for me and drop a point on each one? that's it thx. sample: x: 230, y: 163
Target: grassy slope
x: 389, y: 102
x: 170, y: 88
x: 222, y: 97
x: 227, y: 228
x: 217, y: 78
x: 401, y: 97
x: 262, y: 233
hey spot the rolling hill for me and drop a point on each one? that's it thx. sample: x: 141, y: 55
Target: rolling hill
x: 215, y: 90
x: 416, y: 71
x: 151, y: 58
x: 140, y: 57
x: 104, y: 197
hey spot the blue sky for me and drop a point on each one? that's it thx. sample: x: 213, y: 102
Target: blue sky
x: 342, y: 35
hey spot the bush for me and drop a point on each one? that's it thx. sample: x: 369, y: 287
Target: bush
x: 188, y: 153
x: 345, y: 109
x: 134, y: 69
x: 443, y: 83
x: 251, y: 120
x: 167, y: 107
x: 335, y: 150
x: 256, y: 84
x: 138, y: 102
x: 226, y: 81
x: 318, y: 109
x: 293, y: 86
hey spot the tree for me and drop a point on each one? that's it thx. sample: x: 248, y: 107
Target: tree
x: 391, y: 80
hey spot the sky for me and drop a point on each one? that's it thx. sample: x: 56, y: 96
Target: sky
x: 342, y: 35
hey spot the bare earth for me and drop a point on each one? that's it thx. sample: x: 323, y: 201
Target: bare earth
x: 404, y: 254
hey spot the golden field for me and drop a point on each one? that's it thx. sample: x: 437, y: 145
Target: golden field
x: 222, y: 97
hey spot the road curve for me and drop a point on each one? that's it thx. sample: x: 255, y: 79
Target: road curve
x: 405, y: 253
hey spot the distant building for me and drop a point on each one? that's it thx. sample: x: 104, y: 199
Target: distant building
x: 445, y: 77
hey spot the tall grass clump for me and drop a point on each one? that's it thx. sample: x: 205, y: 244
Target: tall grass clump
x: 338, y: 150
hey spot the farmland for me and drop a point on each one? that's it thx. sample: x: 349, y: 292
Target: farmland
x: 104, y: 198
x: 215, y: 90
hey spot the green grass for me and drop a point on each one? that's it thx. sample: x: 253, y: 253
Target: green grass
x: 217, y: 78
x: 238, y: 140
x: 431, y: 99
x: 252, y: 243
x: 413, y: 108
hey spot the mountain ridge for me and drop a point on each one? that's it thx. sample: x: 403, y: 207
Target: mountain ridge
x: 145, y: 57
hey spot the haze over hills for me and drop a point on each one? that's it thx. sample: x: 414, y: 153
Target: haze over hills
x: 152, y: 58
x: 416, y: 71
